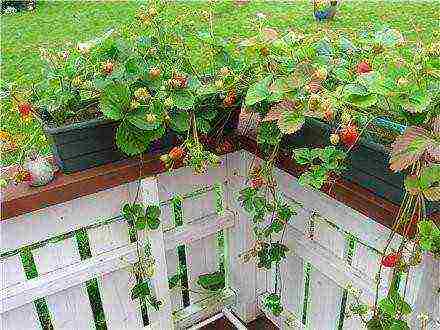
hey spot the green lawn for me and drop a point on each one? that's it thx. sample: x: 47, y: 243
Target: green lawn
x: 67, y: 22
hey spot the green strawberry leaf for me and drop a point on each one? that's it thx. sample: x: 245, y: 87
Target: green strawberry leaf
x: 115, y: 100
x: 258, y: 91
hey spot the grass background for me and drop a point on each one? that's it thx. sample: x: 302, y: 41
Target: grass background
x: 64, y: 23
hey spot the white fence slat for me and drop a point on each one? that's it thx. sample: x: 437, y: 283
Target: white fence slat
x: 325, y: 302
x: 115, y: 287
x: 108, y: 237
x: 70, y: 309
x: 12, y: 271
x: 198, y: 206
x: 58, y: 255
x: 212, y: 262
x: 292, y: 274
x: 62, y: 218
x: 23, y: 317
x: 121, y: 312
x: 195, y: 263
x: 150, y: 196
x: 243, y: 276
x: 330, y: 238
x: 428, y: 300
x: 172, y: 259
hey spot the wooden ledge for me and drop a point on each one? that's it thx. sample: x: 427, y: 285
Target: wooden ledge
x: 21, y: 199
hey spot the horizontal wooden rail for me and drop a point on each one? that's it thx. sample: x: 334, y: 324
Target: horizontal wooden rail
x: 107, y: 262
x: 21, y: 199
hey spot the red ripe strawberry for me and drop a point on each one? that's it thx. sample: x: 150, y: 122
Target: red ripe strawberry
x: 226, y: 146
x: 328, y: 115
x: 154, y: 73
x: 179, y: 81
x: 390, y: 260
x: 257, y: 182
x: 230, y: 99
x: 349, y: 135
x: 314, y: 86
x: 107, y: 67
x: 25, y: 109
x: 363, y: 67
x: 176, y: 153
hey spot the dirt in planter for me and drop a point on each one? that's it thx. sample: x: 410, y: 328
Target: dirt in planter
x: 86, y: 113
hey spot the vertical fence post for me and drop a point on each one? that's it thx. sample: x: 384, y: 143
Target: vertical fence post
x: 241, y: 276
x: 428, y: 296
x: 150, y: 195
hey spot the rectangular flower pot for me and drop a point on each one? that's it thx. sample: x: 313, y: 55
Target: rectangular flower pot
x: 88, y: 144
x: 368, y: 162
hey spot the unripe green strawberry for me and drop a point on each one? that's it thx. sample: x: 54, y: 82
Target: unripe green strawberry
x: 168, y: 102
x: 334, y: 139
x: 219, y: 84
x: 320, y: 74
x: 345, y: 117
x: 224, y: 72
x: 151, y: 118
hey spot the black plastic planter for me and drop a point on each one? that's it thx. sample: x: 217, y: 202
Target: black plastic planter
x: 88, y: 144
x: 91, y: 143
x: 368, y: 164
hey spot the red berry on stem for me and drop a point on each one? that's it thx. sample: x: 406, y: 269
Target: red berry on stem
x: 363, y: 67
x: 349, y: 135
x: 25, y: 109
x: 176, y: 153
x: 390, y: 260
x: 257, y: 182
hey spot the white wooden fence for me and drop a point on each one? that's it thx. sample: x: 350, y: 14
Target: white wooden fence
x: 49, y: 281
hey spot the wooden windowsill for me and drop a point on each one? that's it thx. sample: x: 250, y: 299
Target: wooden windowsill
x: 21, y: 199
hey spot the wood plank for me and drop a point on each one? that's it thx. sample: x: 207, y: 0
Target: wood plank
x: 325, y: 302
x: 24, y: 317
x: 70, y: 308
x: 115, y: 287
x: 149, y: 195
x: 172, y: 259
x: 121, y: 312
x: 58, y: 219
x: 12, y: 272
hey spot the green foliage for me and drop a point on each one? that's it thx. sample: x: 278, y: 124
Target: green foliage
x: 273, y: 303
x: 321, y: 163
x: 429, y: 236
x: 212, y: 282
x: 141, y: 218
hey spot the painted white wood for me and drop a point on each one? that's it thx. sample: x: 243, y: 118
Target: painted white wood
x: 208, y: 307
x: 329, y: 237
x: 325, y: 302
x: 197, y: 230
x: 12, y: 271
x: 115, y: 287
x: 108, y: 237
x: 199, y: 206
x: 62, y: 218
x: 243, y: 276
x: 292, y: 274
x: 150, y: 195
x: 428, y: 299
x: 57, y: 255
x: 70, y: 309
x: 121, y: 312
x: 195, y: 263
x: 172, y: 260
x: 24, y: 317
